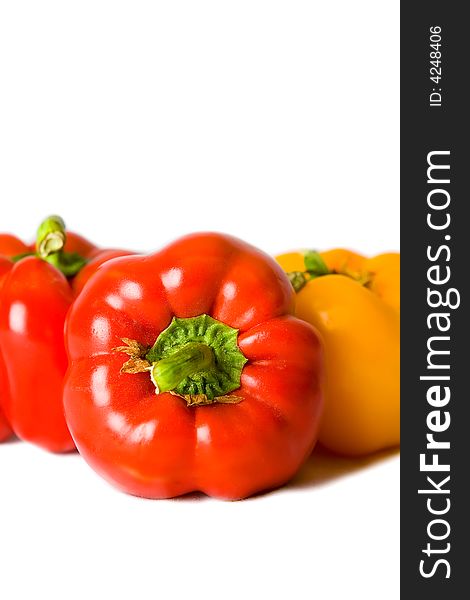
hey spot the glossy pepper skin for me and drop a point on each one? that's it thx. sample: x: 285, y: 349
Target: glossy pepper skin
x: 250, y: 438
x: 355, y: 306
x: 34, y: 299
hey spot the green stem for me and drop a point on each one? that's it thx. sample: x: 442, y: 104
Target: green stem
x: 314, y: 264
x: 298, y: 279
x: 191, y: 359
x: 50, y: 237
x: 50, y: 243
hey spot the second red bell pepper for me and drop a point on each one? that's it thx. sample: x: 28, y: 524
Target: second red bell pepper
x: 34, y: 299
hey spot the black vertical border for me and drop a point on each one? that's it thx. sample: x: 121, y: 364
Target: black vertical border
x: 424, y: 129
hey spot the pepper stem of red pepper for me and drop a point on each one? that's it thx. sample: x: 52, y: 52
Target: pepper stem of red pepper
x: 50, y: 237
x: 315, y: 267
x: 50, y: 241
x: 190, y: 359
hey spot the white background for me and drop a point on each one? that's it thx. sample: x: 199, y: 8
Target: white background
x: 141, y: 121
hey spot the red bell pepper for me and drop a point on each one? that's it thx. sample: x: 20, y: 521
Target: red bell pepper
x: 220, y: 390
x: 35, y: 296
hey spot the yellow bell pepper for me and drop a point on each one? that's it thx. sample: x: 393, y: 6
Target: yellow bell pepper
x: 354, y: 303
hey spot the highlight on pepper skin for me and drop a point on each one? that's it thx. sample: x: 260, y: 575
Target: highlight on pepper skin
x: 354, y: 303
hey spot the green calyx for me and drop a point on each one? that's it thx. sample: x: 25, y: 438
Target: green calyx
x: 69, y: 263
x: 18, y: 257
x: 314, y: 264
x: 197, y: 358
x: 50, y: 242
